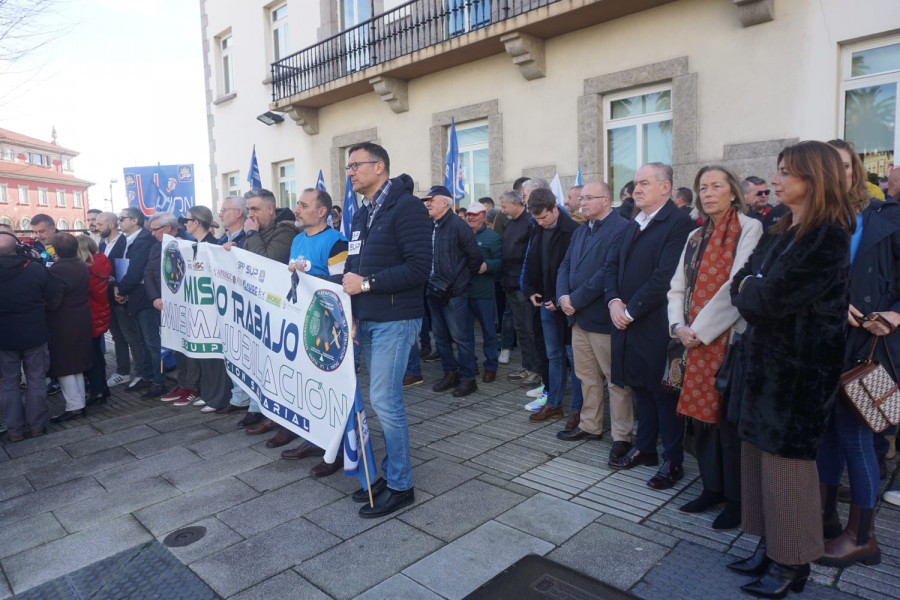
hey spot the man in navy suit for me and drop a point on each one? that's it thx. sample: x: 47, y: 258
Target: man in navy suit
x: 637, y: 281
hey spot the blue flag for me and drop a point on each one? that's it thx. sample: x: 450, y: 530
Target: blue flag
x: 578, y: 177
x: 253, y: 173
x: 353, y: 462
x: 453, y: 175
x: 320, y: 185
x: 349, y: 209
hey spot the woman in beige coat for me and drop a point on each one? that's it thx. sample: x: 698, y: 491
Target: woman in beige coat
x: 703, y: 319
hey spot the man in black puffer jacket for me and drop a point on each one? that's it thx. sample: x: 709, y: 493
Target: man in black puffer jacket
x: 388, y: 261
x: 457, y: 258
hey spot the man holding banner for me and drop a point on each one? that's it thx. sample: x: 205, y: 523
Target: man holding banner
x: 388, y: 262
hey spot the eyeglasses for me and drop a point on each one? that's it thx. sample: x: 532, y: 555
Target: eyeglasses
x: 583, y: 199
x: 762, y: 193
x: 187, y: 220
x: 120, y: 219
x: 155, y: 229
x: 354, y: 166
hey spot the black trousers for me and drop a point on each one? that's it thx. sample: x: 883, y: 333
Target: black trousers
x: 718, y: 452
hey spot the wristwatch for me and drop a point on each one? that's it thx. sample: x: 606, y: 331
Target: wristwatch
x: 674, y: 328
x: 365, y: 285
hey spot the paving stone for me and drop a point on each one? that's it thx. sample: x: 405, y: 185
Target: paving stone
x: 625, y: 494
x: 163, y: 442
x: 287, y: 585
x: 227, y: 423
x: 465, y: 445
x: 480, y: 554
x: 612, y: 556
x: 260, y: 557
x: 33, y: 567
x: 179, y: 511
x: 5, y: 590
x: 28, y: 533
x: 109, y: 440
x: 220, y: 467
x: 136, y: 418
x: 439, y: 475
x: 399, y: 586
x: 375, y: 555
x: 187, y: 417
x: 548, y: 518
x: 218, y: 537
x: 176, y: 458
x: 463, y: 508
x: 51, y: 440
x: 28, y: 505
x: 507, y: 428
x: 114, y: 504
x: 641, y: 531
x: 562, y: 477
x: 223, y: 444
x: 512, y: 459
x: 10, y: 487
x: 342, y: 516
x: 278, y: 473
x: 506, y: 484
x: 273, y: 508
x: 87, y: 465
x: 31, y: 462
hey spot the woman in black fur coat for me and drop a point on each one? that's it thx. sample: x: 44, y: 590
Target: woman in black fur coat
x: 793, y: 293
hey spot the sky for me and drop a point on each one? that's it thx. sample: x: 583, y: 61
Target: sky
x: 122, y: 83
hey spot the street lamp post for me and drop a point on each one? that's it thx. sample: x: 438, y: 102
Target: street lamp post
x: 112, y: 207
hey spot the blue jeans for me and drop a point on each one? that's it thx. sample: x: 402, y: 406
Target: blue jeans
x: 485, y: 310
x: 656, y: 416
x: 448, y: 324
x: 151, y: 370
x: 386, y: 346
x: 557, y: 355
x: 847, y: 439
x: 414, y: 365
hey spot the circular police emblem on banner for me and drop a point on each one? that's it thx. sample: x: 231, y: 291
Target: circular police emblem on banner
x: 173, y: 267
x: 326, y: 334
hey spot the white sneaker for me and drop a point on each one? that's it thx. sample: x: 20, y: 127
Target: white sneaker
x: 117, y: 379
x: 200, y: 402
x: 535, y: 405
x: 892, y: 497
x: 503, y: 359
x: 134, y: 383
x: 207, y: 409
x: 536, y: 392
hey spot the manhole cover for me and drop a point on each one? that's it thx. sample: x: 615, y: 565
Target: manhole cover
x: 184, y: 537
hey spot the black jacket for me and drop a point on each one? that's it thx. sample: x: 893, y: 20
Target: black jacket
x: 515, y: 243
x: 457, y: 256
x: 25, y: 285
x: 794, y: 295
x: 540, y: 276
x: 394, y: 252
x: 118, y: 251
x: 639, y: 274
x: 582, y: 272
x: 132, y: 283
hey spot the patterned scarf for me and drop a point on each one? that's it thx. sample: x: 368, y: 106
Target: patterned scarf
x: 708, y: 259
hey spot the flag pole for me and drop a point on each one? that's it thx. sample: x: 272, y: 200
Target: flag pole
x: 362, y: 447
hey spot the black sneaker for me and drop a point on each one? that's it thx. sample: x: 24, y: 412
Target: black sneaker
x: 154, y: 391
x: 433, y: 357
x: 141, y: 384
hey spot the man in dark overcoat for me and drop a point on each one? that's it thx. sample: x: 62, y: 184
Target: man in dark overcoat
x: 637, y: 281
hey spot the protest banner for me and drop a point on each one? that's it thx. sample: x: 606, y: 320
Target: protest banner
x: 285, y: 337
x: 162, y: 188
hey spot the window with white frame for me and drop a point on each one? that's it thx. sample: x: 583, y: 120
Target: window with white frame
x: 42, y: 197
x: 25, y: 224
x: 232, y: 183
x: 79, y: 224
x: 287, y: 185
x: 62, y: 225
x: 4, y: 193
x: 76, y: 202
x: 60, y: 197
x: 871, y: 104
x: 227, y: 61
x: 23, y: 194
x: 9, y: 155
x: 278, y: 18
x: 474, y: 160
x: 638, y: 130
x: 6, y: 221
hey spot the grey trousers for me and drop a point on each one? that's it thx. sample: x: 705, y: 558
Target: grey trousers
x: 126, y: 336
x: 188, y: 372
x: 523, y: 314
x: 34, y: 412
x: 215, y: 384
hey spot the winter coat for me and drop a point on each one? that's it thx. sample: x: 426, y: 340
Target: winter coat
x: 132, y: 284
x: 98, y: 300
x: 394, y: 252
x: 69, y: 319
x: 456, y: 254
x: 491, y: 246
x: 272, y: 242
x: 515, y: 243
x: 25, y: 285
x: 794, y: 296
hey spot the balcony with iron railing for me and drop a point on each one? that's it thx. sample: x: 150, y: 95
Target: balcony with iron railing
x: 425, y: 36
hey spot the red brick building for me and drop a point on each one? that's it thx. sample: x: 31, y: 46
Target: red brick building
x: 37, y: 177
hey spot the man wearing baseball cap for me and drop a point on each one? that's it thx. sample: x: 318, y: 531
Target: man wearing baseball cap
x: 482, y: 298
x: 456, y: 258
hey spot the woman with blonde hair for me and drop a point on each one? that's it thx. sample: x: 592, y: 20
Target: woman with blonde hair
x: 793, y: 293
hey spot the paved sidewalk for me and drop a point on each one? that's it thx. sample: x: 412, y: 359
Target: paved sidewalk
x: 490, y: 488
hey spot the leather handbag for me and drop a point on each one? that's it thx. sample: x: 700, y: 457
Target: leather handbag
x: 439, y: 290
x: 872, y: 391
x: 730, y: 377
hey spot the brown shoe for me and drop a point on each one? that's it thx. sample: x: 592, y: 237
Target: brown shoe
x: 302, y: 451
x: 450, y: 381
x: 282, y: 438
x: 411, y: 380
x: 265, y: 426
x: 573, y: 421
x: 856, y: 544
x: 489, y: 375
x: 547, y: 413
x: 324, y: 469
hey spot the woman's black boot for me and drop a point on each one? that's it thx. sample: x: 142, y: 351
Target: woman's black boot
x: 776, y: 582
x: 756, y: 564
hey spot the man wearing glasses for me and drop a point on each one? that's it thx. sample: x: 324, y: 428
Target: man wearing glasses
x: 579, y: 287
x: 388, y: 261
x: 756, y: 196
x: 232, y: 215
